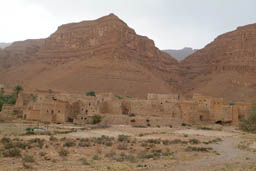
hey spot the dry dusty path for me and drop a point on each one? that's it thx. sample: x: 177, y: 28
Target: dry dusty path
x: 230, y: 158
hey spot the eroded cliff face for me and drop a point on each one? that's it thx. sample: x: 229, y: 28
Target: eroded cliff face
x: 226, y: 67
x: 104, y: 55
x: 109, y: 37
x: 19, y: 53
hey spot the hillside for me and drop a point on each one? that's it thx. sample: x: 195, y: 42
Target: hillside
x: 104, y: 55
x: 225, y: 68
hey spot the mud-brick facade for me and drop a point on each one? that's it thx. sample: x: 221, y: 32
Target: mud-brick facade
x: 7, y: 112
x: 164, y: 108
x: 46, y: 107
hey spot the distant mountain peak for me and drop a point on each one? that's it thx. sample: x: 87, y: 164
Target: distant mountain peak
x: 180, y: 54
x: 4, y: 45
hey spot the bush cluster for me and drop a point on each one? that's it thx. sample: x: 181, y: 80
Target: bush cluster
x: 249, y: 124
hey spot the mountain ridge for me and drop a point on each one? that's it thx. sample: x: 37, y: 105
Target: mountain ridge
x: 106, y: 55
x: 86, y: 55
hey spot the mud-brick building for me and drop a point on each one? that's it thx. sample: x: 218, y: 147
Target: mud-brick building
x: 164, y: 108
x: 47, y: 108
x: 217, y: 110
x: 7, y: 112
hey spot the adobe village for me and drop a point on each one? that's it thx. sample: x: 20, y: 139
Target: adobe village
x: 162, y: 109
x: 96, y: 96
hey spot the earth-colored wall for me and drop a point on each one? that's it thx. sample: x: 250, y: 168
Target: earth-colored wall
x: 56, y: 107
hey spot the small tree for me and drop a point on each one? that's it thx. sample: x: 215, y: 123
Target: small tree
x: 96, y: 119
x: 249, y: 124
x: 18, y: 89
x: 90, y: 93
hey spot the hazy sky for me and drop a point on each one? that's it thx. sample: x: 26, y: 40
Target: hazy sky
x: 170, y: 23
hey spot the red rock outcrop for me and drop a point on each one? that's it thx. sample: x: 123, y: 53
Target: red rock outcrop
x: 226, y: 67
x: 104, y: 55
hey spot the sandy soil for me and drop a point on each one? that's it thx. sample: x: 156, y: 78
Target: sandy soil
x: 233, y: 152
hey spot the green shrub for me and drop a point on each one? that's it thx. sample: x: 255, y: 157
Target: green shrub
x: 249, y: 124
x: 132, y: 115
x: 139, y: 165
x: 122, y: 146
x: 42, y: 153
x: 176, y: 141
x: 205, y: 128
x: 40, y: 142
x: 18, y: 89
x: 123, y: 138
x: 96, y: 157
x: 7, y: 99
x: 194, y: 141
x: 52, y: 138
x: 63, y: 152
x: 28, y: 159
x: 232, y: 104
x: 96, y: 119
x: 84, y: 144
x: 13, y: 152
x: 30, y: 131
x: 5, y: 140
x: 84, y: 161
x: 69, y: 143
x: 124, y: 157
x: 20, y: 144
x: 119, y: 97
x: 90, y: 93
x: 198, y: 149
x: 185, y: 124
x: 111, y: 155
x: 154, y: 141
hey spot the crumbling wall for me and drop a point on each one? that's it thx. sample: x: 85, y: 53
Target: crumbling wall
x: 189, y: 112
x: 7, y: 112
x: 56, y: 107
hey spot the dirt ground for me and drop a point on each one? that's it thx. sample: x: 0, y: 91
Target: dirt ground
x: 71, y: 147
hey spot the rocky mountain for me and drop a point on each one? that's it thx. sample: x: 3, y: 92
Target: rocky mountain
x: 104, y: 55
x: 4, y: 45
x: 181, y: 53
x: 225, y: 68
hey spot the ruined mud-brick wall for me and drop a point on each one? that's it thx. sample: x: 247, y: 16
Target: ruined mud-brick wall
x: 7, y: 112
x: 243, y: 109
x: 211, y: 109
x: 159, y: 105
x: 152, y: 107
x: 164, y: 97
x: 189, y: 112
x: 47, y: 109
x: 113, y: 107
x: 219, y: 110
x: 22, y: 101
x: 56, y: 107
x: 87, y: 106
